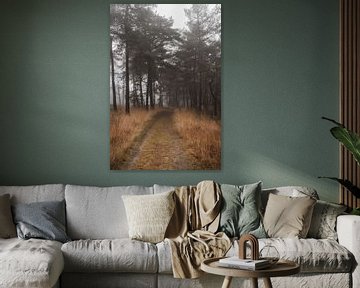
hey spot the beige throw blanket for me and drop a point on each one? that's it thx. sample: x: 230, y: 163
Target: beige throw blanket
x: 191, y: 231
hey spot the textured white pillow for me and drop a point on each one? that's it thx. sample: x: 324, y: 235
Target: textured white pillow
x: 149, y: 215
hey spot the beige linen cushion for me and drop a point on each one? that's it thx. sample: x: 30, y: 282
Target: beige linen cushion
x: 288, y: 217
x: 7, y: 226
x: 149, y: 215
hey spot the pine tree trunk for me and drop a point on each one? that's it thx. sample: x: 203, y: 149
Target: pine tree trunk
x: 127, y: 72
x: 113, y: 77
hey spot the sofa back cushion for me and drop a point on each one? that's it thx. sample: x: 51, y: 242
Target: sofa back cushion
x: 163, y: 188
x: 98, y: 213
x: 36, y: 193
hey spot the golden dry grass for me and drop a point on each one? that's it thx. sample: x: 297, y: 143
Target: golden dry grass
x: 123, y: 131
x: 202, y: 136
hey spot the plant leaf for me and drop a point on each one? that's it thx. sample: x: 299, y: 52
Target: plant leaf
x: 349, y: 139
x: 333, y: 121
x: 347, y: 184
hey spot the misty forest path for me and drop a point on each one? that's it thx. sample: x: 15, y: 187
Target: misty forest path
x: 159, y: 147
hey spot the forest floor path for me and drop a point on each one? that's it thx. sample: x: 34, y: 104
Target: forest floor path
x: 159, y: 147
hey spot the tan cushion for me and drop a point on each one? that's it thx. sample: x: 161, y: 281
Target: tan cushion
x: 148, y: 215
x: 7, y: 226
x: 288, y: 217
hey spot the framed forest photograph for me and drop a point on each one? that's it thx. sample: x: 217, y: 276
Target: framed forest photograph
x: 165, y: 86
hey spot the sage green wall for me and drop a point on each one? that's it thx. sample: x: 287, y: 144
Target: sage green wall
x: 280, y: 75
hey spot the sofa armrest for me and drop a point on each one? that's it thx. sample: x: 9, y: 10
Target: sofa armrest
x: 348, y: 230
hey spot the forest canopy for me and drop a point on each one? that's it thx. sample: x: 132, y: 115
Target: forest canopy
x: 153, y: 63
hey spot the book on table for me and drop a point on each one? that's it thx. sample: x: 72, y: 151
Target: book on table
x: 249, y: 264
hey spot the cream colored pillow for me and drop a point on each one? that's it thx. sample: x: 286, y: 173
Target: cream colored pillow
x: 149, y: 215
x: 288, y: 217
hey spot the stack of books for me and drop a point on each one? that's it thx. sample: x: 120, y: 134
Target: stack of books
x: 248, y: 264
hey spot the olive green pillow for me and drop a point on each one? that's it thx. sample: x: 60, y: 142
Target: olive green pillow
x: 240, y: 210
x: 288, y: 217
x: 7, y: 226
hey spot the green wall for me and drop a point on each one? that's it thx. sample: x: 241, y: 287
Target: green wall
x: 280, y: 75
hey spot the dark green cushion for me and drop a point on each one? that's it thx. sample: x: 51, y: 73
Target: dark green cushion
x: 240, y: 210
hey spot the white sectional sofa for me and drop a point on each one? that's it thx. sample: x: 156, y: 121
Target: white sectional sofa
x: 101, y: 254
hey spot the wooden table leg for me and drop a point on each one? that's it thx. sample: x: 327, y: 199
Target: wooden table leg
x: 267, y: 283
x: 227, y: 282
x: 254, y: 282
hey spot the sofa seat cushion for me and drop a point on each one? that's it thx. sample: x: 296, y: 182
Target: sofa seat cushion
x: 30, y: 263
x: 115, y: 255
x: 313, y: 255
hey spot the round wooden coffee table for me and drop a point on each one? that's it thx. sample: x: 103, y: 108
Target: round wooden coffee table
x: 281, y: 268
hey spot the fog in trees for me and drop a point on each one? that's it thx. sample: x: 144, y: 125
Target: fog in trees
x: 155, y: 63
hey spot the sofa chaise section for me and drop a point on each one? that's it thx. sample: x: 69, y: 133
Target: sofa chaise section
x: 31, y: 263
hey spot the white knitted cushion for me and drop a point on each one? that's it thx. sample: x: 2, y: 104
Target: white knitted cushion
x: 149, y: 215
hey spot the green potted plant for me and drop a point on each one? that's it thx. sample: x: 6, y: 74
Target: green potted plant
x: 351, y: 141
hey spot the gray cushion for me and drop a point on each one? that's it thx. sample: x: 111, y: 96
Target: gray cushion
x: 98, y: 213
x: 7, y: 227
x: 30, y: 263
x: 44, y: 220
x: 240, y: 210
x: 117, y: 255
